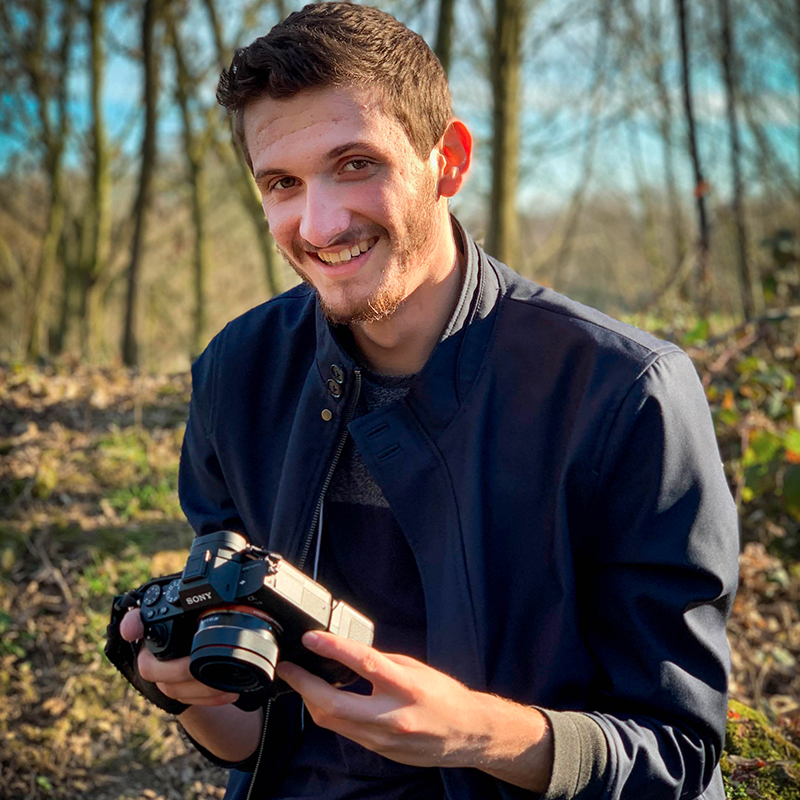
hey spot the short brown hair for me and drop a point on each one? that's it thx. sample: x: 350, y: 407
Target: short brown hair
x: 340, y: 44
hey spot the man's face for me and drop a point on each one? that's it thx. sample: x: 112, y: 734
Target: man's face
x: 352, y: 207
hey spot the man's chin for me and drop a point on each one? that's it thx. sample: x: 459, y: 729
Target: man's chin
x: 380, y: 306
x: 373, y: 310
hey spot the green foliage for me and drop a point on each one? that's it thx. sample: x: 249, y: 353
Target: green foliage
x: 137, y: 476
x: 122, y: 457
x: 698, y: 334
x: 129, y: 501
x: 753, y: 395
x: 758, y: 760
x: 11, y: 642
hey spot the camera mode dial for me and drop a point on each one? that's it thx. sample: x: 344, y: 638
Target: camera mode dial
x: 171, y: 592
x: 151, y: 595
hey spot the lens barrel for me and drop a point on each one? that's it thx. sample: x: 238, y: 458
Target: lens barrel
x: 235, y: 650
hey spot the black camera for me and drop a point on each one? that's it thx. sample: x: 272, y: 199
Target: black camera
x: 236, y: 609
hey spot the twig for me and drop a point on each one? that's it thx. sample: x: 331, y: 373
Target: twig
x: 54, y: 571
x: 760, y: 680
x: 726, y: 355
x: 791, y: 312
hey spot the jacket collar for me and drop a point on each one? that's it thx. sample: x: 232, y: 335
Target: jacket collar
x: 439, y: 388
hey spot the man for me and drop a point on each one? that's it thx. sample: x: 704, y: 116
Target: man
x: 524, y: 495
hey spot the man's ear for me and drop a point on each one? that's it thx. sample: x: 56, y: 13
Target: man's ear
x: 455, y: 153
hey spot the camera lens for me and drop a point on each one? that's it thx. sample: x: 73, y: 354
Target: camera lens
x: 235, y: 649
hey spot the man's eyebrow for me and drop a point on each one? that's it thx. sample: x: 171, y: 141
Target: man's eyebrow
x: 339, y: 151
x: 266, y: 173
x: 332, y: 155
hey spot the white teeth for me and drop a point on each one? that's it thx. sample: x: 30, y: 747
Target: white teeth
x: 355, y: 250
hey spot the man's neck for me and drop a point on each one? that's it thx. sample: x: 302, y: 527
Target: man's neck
x: 401, y: 344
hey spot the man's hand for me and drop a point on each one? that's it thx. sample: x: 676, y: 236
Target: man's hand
x: 417, y: 715
x: 211, y: 720
x: 172, y: 677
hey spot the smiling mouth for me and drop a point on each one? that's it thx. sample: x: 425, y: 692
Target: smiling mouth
x: 347, y: 253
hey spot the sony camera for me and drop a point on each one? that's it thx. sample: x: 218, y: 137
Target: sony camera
x: 236, y: 609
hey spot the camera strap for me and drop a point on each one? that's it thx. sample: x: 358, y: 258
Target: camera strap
x: 314, y: 576
x: 122, y: 654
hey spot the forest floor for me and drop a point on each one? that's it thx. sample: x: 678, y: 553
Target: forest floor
x: 88, y: 508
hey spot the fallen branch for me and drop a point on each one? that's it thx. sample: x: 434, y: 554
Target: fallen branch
x: 781, y: 315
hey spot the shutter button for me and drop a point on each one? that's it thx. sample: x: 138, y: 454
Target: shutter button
x: 338, y: 373
x: 334, y: 389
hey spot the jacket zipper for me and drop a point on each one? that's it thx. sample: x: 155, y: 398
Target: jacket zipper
x: 351, y: 410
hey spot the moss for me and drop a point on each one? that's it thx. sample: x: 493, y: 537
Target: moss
x: 758, y: 761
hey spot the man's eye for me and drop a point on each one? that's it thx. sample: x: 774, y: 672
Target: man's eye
x: 284, y: 183
x: 356, y: 164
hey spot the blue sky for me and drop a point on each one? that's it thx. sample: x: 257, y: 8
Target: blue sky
x: 556, y: 105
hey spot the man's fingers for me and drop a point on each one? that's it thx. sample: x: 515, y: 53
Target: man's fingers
x: 302, y: 681
x: 323, y: 698
x: 364, y: 660
x: 196, y: 694
x: 131, y: 627
x: 403, y: 661
x: 175, y: 671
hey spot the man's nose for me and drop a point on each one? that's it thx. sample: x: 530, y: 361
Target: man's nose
x: 324, y: 217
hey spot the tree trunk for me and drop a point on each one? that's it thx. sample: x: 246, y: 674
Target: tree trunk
x: 130, y: 344
x: 96, y: 245
x: 503, y: 235
x: 702, y: 275
x: 200, y: 271
x: 666, y: 129
x: 69, y: 256
x: 746, y: 279
x: 242, y: 176
x: 195, y: 145
x: 34, y: 329
x: 49, y: 82
x: 444, y: 33
x: 673, y: 197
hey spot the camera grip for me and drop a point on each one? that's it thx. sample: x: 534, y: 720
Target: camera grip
x: 122, y: 654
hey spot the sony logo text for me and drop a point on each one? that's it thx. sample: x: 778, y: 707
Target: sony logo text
x: 197, y: 598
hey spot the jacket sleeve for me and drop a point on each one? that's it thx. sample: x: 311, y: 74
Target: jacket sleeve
x: 204, y: 495
x: 657, y: 573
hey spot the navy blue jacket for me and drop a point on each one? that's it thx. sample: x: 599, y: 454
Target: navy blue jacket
x: 557, y: 477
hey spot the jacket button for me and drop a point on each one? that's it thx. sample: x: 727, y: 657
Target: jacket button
x: 327, y: 414
x: 338, y: 373
x: 334, y: 389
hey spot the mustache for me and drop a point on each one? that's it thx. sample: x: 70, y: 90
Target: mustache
x: 349, y: 238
